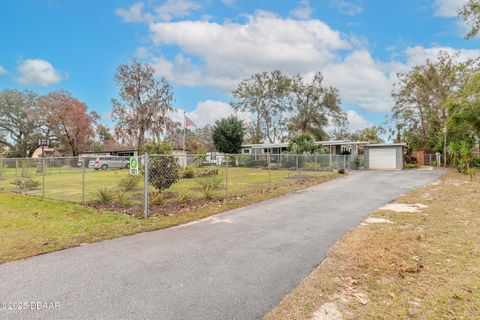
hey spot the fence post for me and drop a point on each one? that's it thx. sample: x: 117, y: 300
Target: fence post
x: 16, y: 173
x: 269, y: 176
x: 83, y: 181
x: 297, y: 164
x: 315, y: 165
x: 226, y: 175
x: 345, y: 162
x: 43, y: 177
x: 145, y: 186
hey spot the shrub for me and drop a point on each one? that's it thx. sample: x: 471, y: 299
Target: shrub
x: 25, y: 172
x: 357, y: 163
x: 123, y: 199
x: 341, y: 171
x: 188, y: 173
x: 184, y: 196
x: 251, y: 162
x: 200, y: 159
x: 103, y: 195
x: 156, y: 198
x: 129, y: 183
x: 162, y: 168
x: 472, y: 172
x: 29, y: 184
x: 208, y: 173
x: 475, y: 162
x: 208, y: 185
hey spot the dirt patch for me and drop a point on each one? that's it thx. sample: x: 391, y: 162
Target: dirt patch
x: 328, y: 311
x: 376, y: 220
x: 403, y: 207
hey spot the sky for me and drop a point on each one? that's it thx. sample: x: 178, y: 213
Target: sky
x: 206, y: 47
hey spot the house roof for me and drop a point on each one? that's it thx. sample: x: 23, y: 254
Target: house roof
x: 386, y: 145
x: 318, y: 143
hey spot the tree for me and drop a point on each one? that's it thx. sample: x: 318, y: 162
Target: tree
x: 422, y: 96
x: 195, y: 140
x: 470, y: 12
x: 464, y: 121
x: 228, y: 134
x: 144, y: 103
x: 21, y: 122
x: 266, y: 95
x: 461, y: 155
x: 162, y: 165
x: 69, y: 120
x: 371, y: 134
x: 103, y: 133
x: 303, y: 143
x: 315, y: 106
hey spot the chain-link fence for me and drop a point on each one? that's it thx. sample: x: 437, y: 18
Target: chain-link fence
x: 432, y: 159
x: 164, y: 183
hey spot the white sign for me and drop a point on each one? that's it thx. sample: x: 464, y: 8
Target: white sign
x: 133, y: 165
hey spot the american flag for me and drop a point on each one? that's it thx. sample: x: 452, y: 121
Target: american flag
x: 189, y: 122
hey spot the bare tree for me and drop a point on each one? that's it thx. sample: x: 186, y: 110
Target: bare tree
x: 144, y: 103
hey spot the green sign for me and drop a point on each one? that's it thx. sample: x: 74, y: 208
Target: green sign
x: 133, y: 165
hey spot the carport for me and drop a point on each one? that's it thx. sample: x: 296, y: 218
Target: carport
x: 384, y: 156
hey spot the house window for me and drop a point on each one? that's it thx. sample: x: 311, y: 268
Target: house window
x: 246, y: 151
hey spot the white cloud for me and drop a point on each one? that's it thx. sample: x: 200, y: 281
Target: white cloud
x: 448, y: 8
x: 356, y: 121
x: 167, y: 11
x: 418, y: 54
x: 362, y: 81
x: 209, y: 111
x: 232, y: 51
x: 134, y: 13
x: 38, y: 72
x: 303, y: 11
x: 350, y: 8
x: 2, y: 70
x: 176, y: 9
x: 228, y: 2
x: 220, y: 55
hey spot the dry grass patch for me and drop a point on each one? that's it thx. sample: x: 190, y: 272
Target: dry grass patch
x: 424, y: 265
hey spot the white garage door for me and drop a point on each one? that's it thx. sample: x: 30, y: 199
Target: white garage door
x: 382, y: 158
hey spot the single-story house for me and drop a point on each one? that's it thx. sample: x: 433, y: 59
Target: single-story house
x: 48, y: 152
x: 334, y: 147
x: 384, y: 156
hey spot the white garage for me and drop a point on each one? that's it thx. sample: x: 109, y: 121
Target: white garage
x: 384, y: 156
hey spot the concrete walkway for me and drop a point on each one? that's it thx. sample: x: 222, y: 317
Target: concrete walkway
x: 237, y: 265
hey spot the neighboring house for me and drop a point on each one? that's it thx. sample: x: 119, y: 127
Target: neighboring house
x: 332, y: 147
x: 117, y: 152
x: 48, y: 152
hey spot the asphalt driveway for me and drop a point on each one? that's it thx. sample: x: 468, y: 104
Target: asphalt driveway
x: 237, y: 265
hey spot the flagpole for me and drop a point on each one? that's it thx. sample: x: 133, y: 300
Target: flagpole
x: 184, y: 125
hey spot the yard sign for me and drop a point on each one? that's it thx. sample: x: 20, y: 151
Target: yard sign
x: 133, y: 165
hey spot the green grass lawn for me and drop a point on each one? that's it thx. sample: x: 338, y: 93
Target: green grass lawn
x: 67, y: 186
x: 30, y: 225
